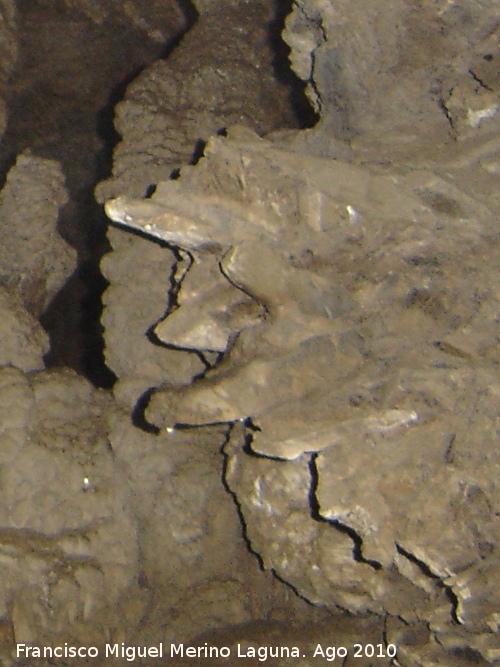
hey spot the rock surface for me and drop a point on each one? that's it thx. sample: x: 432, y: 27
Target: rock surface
x: 303, y: 328
x: 154, y: 20
x: 24, y: 342
x: 354, y: 393
x: 221, y: 74
x: 68, y: 540
x: 35, y: 261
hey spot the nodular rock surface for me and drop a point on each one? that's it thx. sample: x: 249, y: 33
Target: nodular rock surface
x: 166, y: 116
x: 35, y: 262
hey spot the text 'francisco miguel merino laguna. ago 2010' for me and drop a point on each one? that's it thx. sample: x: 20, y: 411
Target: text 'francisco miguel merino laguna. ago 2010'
x: 262, y: 653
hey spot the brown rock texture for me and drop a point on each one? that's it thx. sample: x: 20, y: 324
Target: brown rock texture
x: 300, y: 448
x: 361, y: 457
x: 35, y: 261
x: 354, y: 391
x: 219, y: 75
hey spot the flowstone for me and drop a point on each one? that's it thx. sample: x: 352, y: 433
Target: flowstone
x: 361, y: 384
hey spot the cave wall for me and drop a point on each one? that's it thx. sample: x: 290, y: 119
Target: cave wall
x: 343, y: 380
x: 300, y: 440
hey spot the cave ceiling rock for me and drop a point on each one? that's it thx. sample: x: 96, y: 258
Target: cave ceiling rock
x: 300, y: 304
x: 35, y: 261
x: 369, y: 380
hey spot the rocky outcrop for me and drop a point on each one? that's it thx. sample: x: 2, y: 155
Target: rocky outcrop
x: 387, y: 76
x: 68, y: 543
x: 132, y: 351
x: 97, y: 523
x: 24, y: 342
x: 303, y: 328
x: 173, y: 106
x: 357, y: 322
x: 352, y: 305
x: 103, y: 535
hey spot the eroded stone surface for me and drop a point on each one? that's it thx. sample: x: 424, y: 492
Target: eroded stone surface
x: 34, y: 260
x: 24, y: 342
x: 359, y: 385
x: 68, y: 540
x: 131, y: 352
x: 221, y: 74
x: 348, y: 309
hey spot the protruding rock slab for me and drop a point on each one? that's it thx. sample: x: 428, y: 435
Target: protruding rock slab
x: 362, y: 453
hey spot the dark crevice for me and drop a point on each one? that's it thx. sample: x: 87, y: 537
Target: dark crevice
x: 190, y: 12
x: 79, y: 301
x: 183, y: 426
x: 139, y: 413
x: 93, y: 359
x: 154, y: 340
x: 209, y: 359
x: 191, y: 16
x: 207, y: 363
x: 243, y: 524
x: 175, y: 284
x: 292, y: 588
x: 199, y: 149
x: 426, y: 570
x: 7, y: 161
x: 444, y: 109
x: 250, y: 451
x: 244, y: 529
x: 150, y: 190
x: 478, y: 80
x: 338, y: 525
x: 106, y: 127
